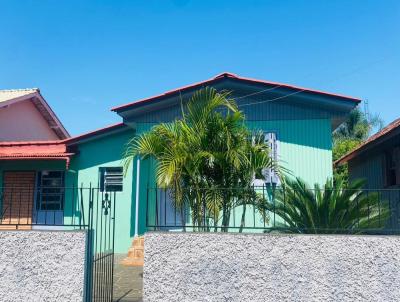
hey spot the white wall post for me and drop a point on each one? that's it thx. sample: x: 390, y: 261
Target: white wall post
x: 137, y: 196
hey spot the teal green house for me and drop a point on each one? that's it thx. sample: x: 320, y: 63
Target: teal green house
x: 298, y: 122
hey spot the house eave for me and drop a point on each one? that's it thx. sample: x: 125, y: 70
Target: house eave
x: 127, y: 109
x: 96, y: 134
x: 48, y: 114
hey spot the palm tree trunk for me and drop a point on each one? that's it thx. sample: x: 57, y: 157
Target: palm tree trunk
x: 226, y: 213
x: 183, y: 218
x: 242, y: 221
x: 199, y: 210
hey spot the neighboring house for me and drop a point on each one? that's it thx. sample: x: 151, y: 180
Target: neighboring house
x: 25, y: 115
x: 298, y: 124
x: 377, y: 161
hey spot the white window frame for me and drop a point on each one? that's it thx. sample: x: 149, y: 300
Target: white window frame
x: 270, y: 176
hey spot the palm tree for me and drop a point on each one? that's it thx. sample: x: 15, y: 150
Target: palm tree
x: 350, y: 134
x: 331, y: 209
x: 357, y: 126
x: 202, y: 156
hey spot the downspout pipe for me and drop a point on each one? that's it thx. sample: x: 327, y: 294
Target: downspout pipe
x: 137, y: 196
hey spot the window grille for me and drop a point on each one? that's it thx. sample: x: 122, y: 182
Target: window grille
x: 50, y: 193
x: 111, y: 179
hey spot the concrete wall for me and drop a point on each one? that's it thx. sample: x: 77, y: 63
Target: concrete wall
x: 235, y: 267
x: 42, y: 265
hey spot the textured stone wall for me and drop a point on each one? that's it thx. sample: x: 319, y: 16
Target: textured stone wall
x: 42, y: 265
x: 235, y: 267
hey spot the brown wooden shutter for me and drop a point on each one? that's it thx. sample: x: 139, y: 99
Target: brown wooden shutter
x: 17, y: 201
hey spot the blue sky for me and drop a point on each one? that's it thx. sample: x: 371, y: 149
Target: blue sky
x: 88, y: 56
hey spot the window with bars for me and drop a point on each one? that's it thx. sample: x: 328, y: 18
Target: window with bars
x: 50, y: 191
x: 111, y: 179
x: 269, y: 175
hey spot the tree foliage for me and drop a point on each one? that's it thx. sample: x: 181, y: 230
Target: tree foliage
x: 349, y: 135
x: 205, y: 154
x: 340, y: 148
x: 358, y: 126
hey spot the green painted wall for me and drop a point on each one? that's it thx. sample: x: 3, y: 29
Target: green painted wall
x: 107, y: 152
x: 146, y: 180
x: 304, y: 148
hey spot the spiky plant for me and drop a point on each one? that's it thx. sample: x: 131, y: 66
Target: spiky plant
x: 334, y: 208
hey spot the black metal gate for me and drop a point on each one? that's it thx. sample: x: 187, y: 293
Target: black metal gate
x: 100, y: 251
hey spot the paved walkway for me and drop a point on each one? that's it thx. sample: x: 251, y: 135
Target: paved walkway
x: 128, y: 281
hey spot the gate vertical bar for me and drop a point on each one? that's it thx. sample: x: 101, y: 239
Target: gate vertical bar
x: 89, y: 256
x: 113, y: 246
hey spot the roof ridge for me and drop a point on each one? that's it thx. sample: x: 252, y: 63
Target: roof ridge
x: 19, y: 89
x: 229, y: 75
x: 33, y: 142
x: 226, y: 74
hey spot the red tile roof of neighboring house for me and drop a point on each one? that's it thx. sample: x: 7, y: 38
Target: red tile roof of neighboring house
x: 51, y: 150
x: 36, y: 143
x: 56, y: 149
x: 229, y: 75
x: 373, y: 139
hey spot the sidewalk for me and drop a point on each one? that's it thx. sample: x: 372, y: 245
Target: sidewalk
x: 128, y: 281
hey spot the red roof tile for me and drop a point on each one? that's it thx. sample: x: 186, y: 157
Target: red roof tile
x: 50, y: 150
x: 51, y: 147
x: 27, y: 143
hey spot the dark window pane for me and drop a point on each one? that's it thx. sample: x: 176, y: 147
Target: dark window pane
x: 50, y: 195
